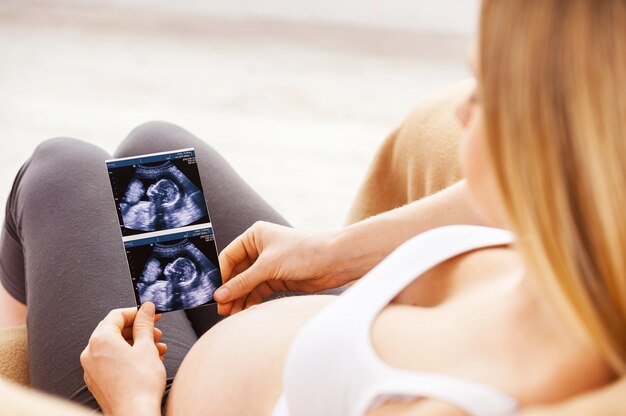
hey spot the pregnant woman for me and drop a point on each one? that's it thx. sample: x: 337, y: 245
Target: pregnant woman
x: 458, y: 320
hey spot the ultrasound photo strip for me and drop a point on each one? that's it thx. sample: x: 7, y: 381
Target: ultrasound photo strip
x: 166, y: 229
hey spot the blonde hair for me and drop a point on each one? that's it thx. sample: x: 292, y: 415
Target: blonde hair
x: 552, y: 76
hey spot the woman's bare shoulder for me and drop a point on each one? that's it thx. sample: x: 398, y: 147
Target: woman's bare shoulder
x: 492, y: 333
x: 459, y: 274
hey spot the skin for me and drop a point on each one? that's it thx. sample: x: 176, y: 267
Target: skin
x: 12, y: 312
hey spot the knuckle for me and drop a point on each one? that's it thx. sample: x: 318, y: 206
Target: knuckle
x: 241, y: 283
x: 143, y: 328
x: 113, y: 313
x: 97, y: 341
x: 84, y: 358
x: 258, y: 225
x: 227, y: 257
x: 84, y: 354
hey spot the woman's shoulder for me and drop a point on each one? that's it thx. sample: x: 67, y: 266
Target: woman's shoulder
x: 485, y: 330
x: 460, y: 274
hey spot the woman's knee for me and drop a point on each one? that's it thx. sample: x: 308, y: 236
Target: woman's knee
x: 60, y: 159
x: 61, y: 172
x: 156, y: 136
x: 61, y: 165
x: 63, y: 150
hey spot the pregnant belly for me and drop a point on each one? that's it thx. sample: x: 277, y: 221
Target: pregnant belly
x: 236, y: 367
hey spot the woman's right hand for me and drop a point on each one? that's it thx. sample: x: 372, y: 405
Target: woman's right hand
x: 123, y: 362
x: 269, y: 258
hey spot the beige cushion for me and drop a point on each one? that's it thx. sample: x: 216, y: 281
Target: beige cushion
x: 417, y: 159
x: 14, y: 354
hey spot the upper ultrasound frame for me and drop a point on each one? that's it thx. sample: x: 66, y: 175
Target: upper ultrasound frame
x: 157, y: 192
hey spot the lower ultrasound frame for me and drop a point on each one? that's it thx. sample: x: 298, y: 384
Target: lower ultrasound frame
x: 176, y: 271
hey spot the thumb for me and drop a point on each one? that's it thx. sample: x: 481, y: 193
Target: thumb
x: 143, y: 327
x: 242, y: 284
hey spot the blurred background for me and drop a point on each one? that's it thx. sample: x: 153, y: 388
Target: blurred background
x: 297, y: 95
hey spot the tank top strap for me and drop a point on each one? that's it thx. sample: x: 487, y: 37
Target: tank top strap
x: 471, y: 397
x: 415, y: 257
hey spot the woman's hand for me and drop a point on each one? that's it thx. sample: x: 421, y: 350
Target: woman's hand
x: 123, y: 362
x: 269, y: 258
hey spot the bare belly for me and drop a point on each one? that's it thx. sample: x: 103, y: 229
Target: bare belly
x: 236, y: 367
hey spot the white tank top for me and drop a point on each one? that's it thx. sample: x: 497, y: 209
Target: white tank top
x: 332, y: 368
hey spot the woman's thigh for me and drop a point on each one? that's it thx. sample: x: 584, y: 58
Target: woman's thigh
x: 62, y: 255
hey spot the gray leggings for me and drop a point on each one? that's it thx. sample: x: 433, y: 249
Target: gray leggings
x: 61, y: 252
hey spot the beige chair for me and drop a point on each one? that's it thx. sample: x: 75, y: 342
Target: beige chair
x: 417, y: 159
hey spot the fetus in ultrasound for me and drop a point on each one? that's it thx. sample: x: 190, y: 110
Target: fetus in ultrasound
x: 161, y: 197
x: 154, y: 290
x: 178, y: 276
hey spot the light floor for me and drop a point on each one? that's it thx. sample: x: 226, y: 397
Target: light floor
x: 299, y: 110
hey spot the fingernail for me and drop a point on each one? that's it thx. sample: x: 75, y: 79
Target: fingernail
x: 222, y: 294
x: 148, y: 309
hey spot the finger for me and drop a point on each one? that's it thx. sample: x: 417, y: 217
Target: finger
x: 241, y: 248
x: 265, y: 290
x: 277, y: 285
x: 238, y: 269
x: 162, y: 347
x: 242, y: 284
x: 243, y: 265
x: 237, y: 306
x: 252, y: 300
x: 143, y: 327
x: 255, y: 297
x: 83, y: 356
x: 127, y: 333
x: 118, y: 319
x: 224, y: 308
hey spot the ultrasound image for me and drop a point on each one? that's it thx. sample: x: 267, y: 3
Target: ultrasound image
x: 178, y: 276
x: 161, y: 197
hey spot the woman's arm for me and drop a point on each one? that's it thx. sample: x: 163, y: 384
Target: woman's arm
x: 359, y: 247
x: 268, y: 258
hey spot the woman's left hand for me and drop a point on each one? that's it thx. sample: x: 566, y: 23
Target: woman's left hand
x: 123, y: 362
